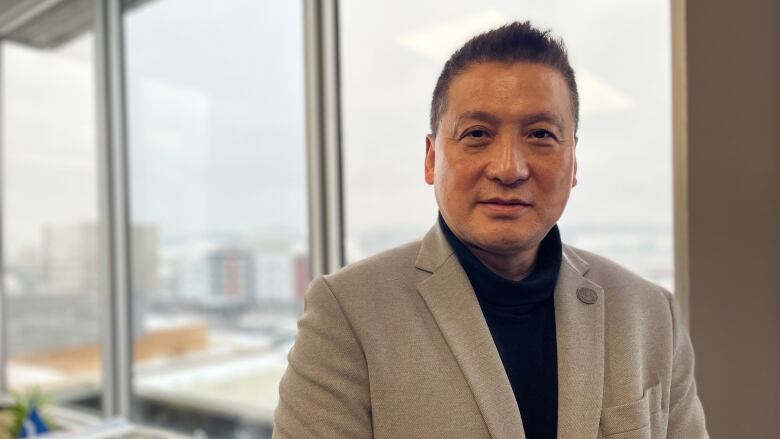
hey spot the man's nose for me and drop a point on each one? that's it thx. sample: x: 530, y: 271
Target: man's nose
x: 508, y: 164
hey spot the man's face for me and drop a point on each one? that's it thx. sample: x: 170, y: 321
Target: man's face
x: 502, y: 162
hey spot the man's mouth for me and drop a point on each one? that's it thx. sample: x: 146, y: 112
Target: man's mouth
x: 506, y: 202
x: 499, y: 207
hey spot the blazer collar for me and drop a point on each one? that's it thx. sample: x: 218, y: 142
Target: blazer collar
x: 579, y: 331
x: 434, y: 250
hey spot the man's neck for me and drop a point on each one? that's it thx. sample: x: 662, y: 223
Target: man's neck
x: 514, y: 267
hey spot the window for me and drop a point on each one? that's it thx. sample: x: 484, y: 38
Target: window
x: 51, y: 279
x: 218, y: 199
x: 215, y: 118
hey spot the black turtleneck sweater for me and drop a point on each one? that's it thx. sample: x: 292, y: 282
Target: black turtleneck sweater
x: 521, y: 318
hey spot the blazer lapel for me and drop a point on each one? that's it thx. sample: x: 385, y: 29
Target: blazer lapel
x: 580, y: 337
x: 451, y: 300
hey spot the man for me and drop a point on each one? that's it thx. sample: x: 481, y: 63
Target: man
x: 489, y: 327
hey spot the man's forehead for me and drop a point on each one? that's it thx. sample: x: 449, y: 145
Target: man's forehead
x: 503, y: 78
x: 495, y: 87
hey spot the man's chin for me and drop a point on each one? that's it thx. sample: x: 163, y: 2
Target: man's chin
x: 506, y: 245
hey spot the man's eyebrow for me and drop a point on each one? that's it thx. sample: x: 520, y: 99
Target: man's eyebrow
x: 477, y: 115
x: 543, y: 116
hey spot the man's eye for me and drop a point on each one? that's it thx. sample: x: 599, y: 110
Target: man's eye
x: 476, y: 134
x: 542, y: 134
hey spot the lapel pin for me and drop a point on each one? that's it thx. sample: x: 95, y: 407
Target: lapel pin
x: 586, y: 295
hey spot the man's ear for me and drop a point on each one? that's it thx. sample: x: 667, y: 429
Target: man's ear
x: 430, y: 158
x: 574, y: 174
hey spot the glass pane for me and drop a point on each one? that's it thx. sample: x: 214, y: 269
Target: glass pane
x: 50, y: 237
x: 218, y: 200
x: 391, y: 55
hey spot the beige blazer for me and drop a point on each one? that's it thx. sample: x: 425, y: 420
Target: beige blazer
x: 396, y: 346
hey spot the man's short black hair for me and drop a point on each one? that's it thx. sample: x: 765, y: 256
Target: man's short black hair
x: 514, y: 42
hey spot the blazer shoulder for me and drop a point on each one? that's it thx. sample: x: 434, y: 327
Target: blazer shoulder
x: 391, y: 268
x: 616, y: 279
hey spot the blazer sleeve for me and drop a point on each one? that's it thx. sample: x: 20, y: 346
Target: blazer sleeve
x: 324, y: 391
x: 686, y: 416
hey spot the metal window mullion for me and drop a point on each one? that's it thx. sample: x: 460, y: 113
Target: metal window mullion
x: 114, y: 210
x: 3, y: 310
x: 331, y: 114
x: 323, y: 135
x: 680, y: 157
x: 316, y: 201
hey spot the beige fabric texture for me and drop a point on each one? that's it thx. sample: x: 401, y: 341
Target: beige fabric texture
x: 396, y: 346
